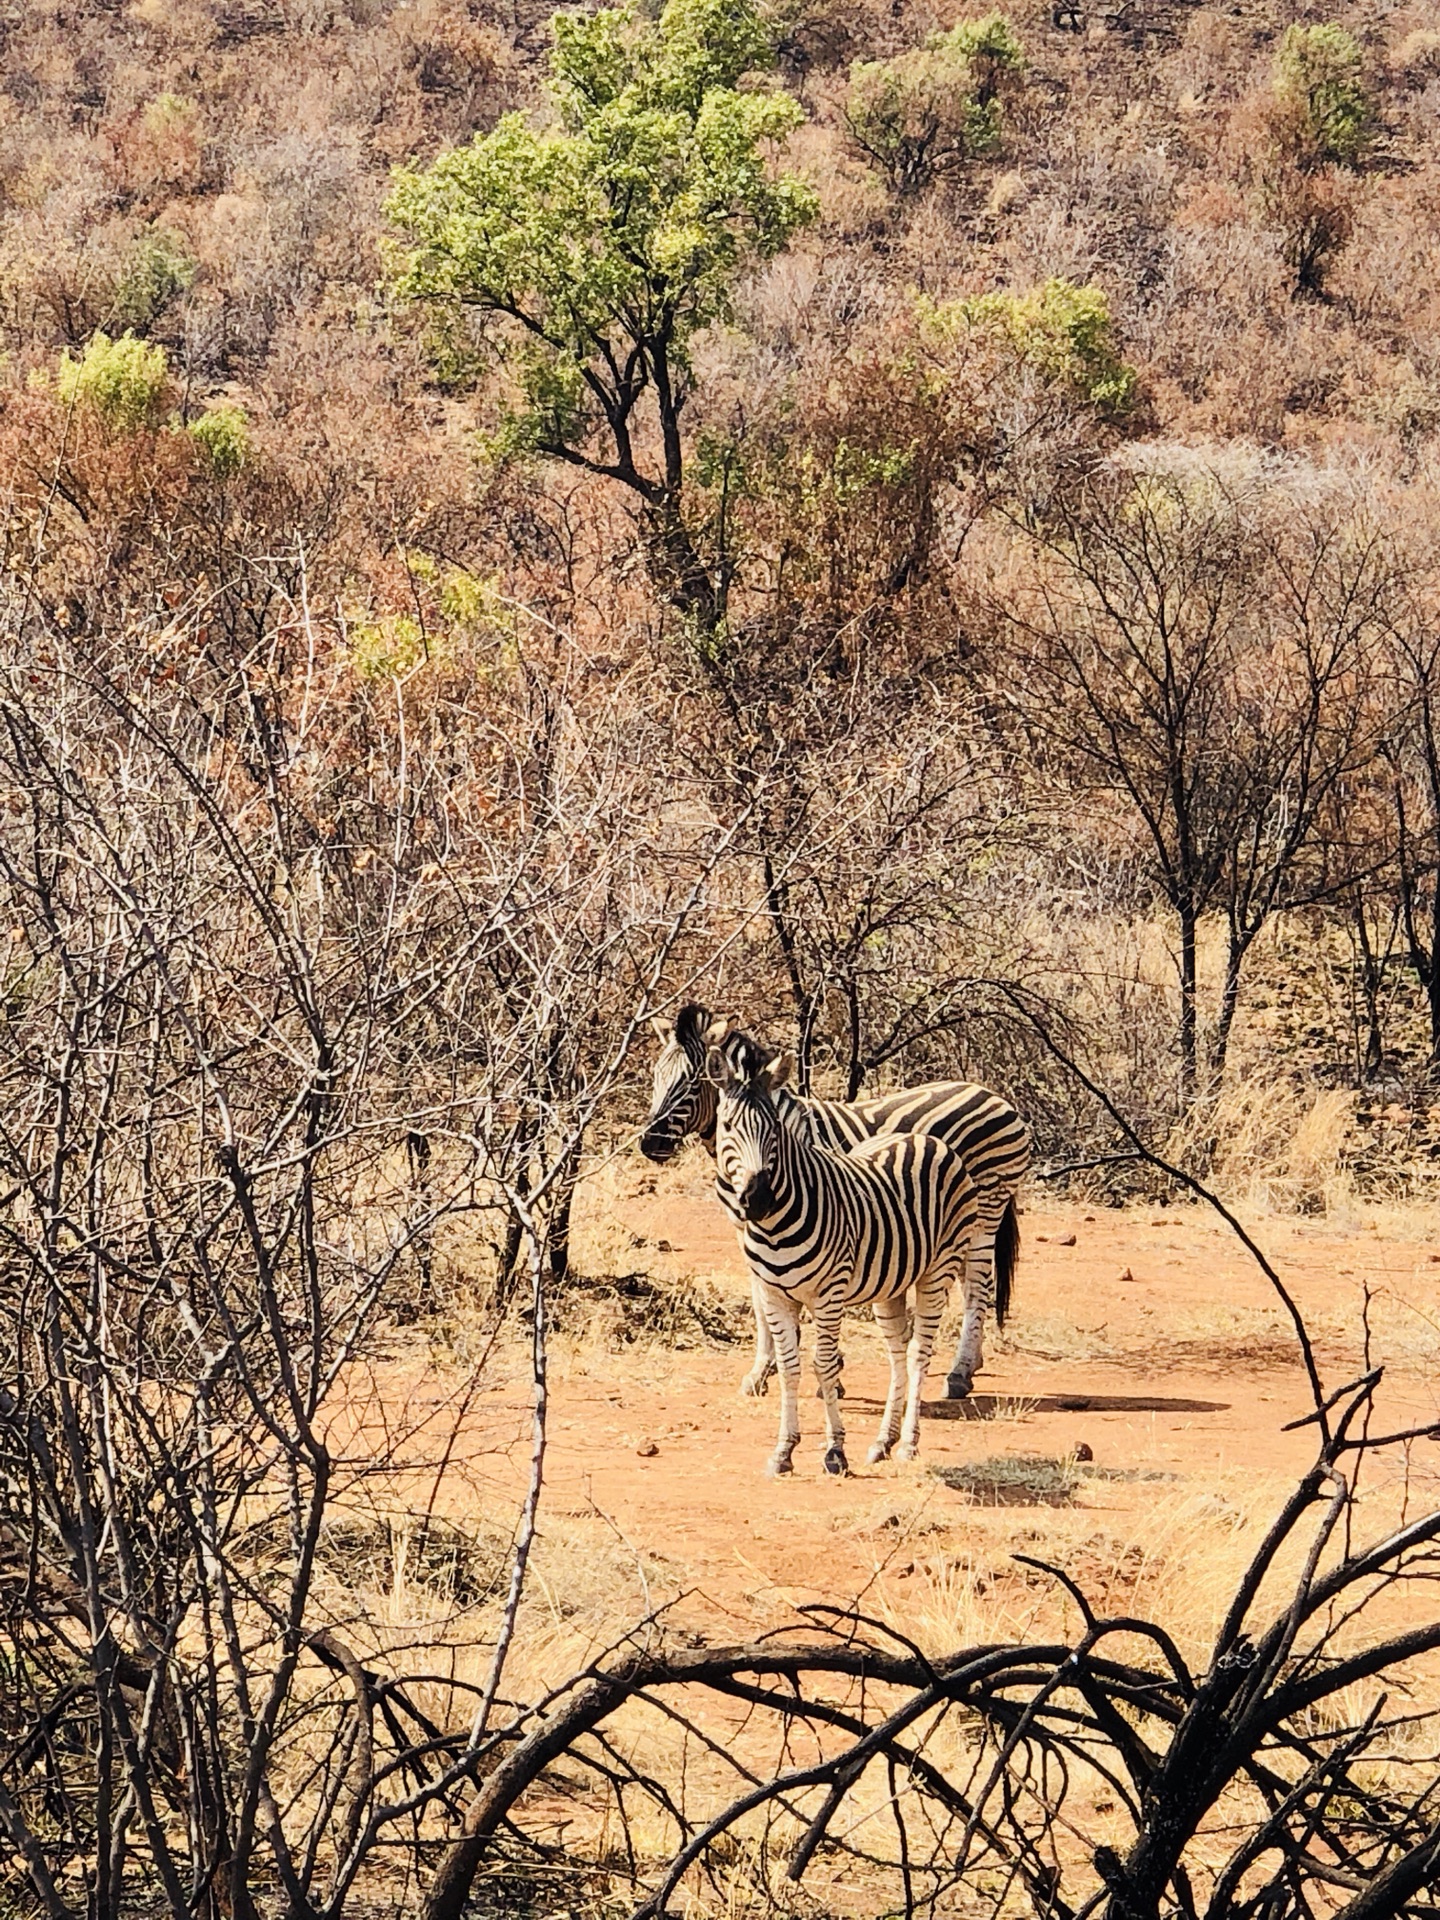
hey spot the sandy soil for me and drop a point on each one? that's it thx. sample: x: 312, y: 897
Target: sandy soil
x: 1147, y: 1337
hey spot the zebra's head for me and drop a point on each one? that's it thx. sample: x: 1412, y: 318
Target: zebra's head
x: 683, y: 1100
x: 747, y: 1130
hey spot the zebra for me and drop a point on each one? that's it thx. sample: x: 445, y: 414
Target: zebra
x: 887, y: 1225
x: 981, y: 1126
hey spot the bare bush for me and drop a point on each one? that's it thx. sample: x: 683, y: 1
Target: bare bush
x: 247, y: 972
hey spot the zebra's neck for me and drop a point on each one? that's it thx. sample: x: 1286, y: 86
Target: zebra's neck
x: 799, y: 1172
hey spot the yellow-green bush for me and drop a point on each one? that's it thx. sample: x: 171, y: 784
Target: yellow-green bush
x: 1063, y: 331
x: 122, y: 380
x: 1317, y: 82
x: 930, y: 111
x: 224, y: 433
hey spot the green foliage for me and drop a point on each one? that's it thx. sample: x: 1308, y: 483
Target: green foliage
x: 224, y: 433
x: 160, y: 267
x: 934, y: 109
x: 388, y: 648
x: 123, y: 380
x: 1063, y: 331
x: 1317, y: 83
x: 598, y: 249
x: 168, y: 114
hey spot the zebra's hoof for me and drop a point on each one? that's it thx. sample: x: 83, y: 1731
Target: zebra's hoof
x: 880, y: 1451
x: 957, y: 1386
x: 835, y: 1461
x: 906, y: 1450
x: 776, y: 1468
x: 753, y: 1388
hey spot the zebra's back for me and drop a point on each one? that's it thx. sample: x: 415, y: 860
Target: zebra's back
x: 978, y: 1124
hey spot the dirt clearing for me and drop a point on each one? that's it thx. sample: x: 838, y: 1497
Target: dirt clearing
x: 1129, y: 1426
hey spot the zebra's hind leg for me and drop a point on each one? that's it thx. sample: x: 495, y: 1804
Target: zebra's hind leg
x: 892, y: 1318
x: 970, y: 1354
x: 827, y: 1372
x: 757, y: 1381
x: 930, y: 1295
x: 782, y: 1317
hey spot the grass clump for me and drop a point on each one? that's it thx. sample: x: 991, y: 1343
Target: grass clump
x: 1016, y: 1480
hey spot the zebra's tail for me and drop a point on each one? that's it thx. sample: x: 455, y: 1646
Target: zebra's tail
x: 1007, y: 1255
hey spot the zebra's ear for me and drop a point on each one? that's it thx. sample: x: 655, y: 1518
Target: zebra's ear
x: 776, y: 1072
x: 719, y: 1029
x: 661, y: 1028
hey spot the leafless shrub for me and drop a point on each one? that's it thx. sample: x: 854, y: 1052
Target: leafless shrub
x: 246, y: 969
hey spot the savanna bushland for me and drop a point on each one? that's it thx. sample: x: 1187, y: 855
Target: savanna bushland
x: 918, y: 526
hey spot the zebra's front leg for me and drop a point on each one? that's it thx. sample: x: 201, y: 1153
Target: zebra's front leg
x: 893, y: 1319
x: 782, y: 1317
x: 757, y: 1381
x: 970, y: 1354
x: 827, y: 1372
x: 930, y: 1296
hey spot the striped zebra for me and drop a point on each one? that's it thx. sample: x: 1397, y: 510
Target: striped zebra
x: 886, y: 1225
x: 984, y: 1129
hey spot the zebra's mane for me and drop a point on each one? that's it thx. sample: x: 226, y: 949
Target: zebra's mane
x: 690, y: 1025
x: 745, y: 1057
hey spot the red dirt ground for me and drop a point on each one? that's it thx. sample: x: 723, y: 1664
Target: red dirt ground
x: 1160, y: 1310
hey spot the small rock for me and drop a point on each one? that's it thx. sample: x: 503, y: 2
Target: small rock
x: 1089, y: 1219
x: 1127, y: 1275
x: 904, y: 1573
x: 647, y: 1449
x: 1041, y: 1238
x: 1064, y: 1239
x: 663, y: 1246
x: 1084, y: 1451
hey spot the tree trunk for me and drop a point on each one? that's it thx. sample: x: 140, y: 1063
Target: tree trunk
x: 1372, y: 980
x: 677, y: 572
x: 1189, y: 995
x: 1229, y: 1001
x: 854, y: 1071
x: 777, y: 906
x: 558, y: 1235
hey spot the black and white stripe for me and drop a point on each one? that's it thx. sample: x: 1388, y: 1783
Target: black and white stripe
x: 979, y: 1125
x: 887, y: 1225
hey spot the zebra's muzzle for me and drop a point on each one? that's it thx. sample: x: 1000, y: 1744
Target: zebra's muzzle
x: 659, y: 1143
x: 757, y: 1197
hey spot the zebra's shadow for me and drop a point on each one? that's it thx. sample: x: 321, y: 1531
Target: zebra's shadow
x: 1009, y: 1406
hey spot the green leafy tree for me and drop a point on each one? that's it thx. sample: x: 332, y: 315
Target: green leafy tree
x: 1326, y: 113
x: 934, y: 109
x: 597, y: 249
